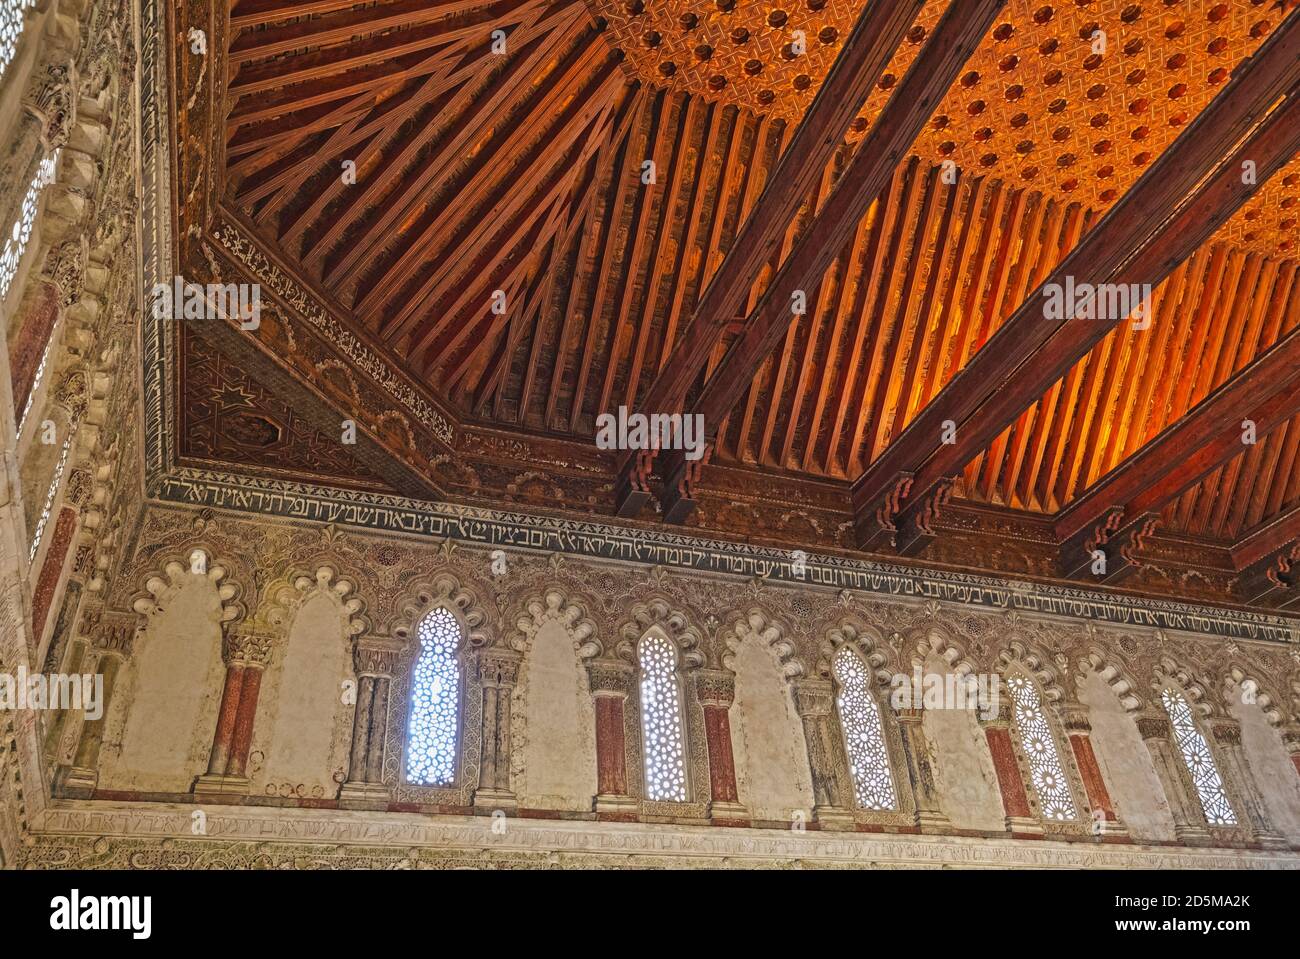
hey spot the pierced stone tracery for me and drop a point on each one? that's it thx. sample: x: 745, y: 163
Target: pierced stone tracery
x: 1199, y: 760
x: 16, y: 243
x: 12, y: 16
x: 1045, y: 771
x: 435, y: 690
x: 661, y: 721
x: 864, y: 738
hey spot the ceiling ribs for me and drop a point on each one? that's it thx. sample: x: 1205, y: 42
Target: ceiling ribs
x: 874, y: 162
x: 863, y: 57
x: 1172, y: 208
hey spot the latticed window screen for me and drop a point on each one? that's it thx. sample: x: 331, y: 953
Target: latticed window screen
x: 13, y: 15
x: 1045, y: 769
x: 864, y: 736
x: 435, y: 689
x: 1200, y: 762
x: 661, y: 721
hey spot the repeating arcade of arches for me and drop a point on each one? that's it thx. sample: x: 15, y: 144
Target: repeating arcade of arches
x: 432, y: 737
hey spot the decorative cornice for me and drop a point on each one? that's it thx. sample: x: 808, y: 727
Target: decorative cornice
x: 245, y: 251
x: 519, y: 530
x: 84, y: 835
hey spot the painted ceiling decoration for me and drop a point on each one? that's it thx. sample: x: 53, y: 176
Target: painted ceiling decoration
x: 479, y: 225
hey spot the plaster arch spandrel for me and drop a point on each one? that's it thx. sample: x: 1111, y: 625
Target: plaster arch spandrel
x: 768, y: 744
x: 553, y: 716
x: 304, y: 723
x: 1105, y: 685
x: 175, y: 677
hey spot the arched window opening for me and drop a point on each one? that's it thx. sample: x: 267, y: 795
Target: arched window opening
x: 1199, y: 760
x: 435, y: 692
x: 661, y: 721
x: 1045, y: 770
x: 864, y: 735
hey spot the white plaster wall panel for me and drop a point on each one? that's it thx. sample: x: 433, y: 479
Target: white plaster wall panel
x: 967, y: 782
x: 554, y: 722
x: 768, y: 747
x: 303, y: 726
x: 1271, y: 765
x: 175, y: 691
x: 1126, y: 764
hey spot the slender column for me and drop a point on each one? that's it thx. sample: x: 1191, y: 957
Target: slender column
x: 813, y: 699
x: 111, y: 640
x: 1184, y: 804
x: 498, y: 672
x: 1078, y: 728
x: 1232, y: 757
x: 247, y: 651
x: 378, y: 726
x: 716, y: 689
x: 1015, y: 796
x: 361, y: 729
x: 226, y: 716
x: 920, y: 772
x: 610, y: 682
x: 58, y: 722
x: 374, y: 658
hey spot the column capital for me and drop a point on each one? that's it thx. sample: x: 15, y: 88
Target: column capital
x: 1226, y: 732
x: 375, y: 656
x: 112, y: 631
x: 813, y: 697
x: 715, y: 687
x: 247, y: 645
x: 611, y: 678
x: 499, y: 667
x: 908, y: 714
x: 1153, y: 726
x: 1074, y: 717
x: 999, y: 720
x: 1291, y: 739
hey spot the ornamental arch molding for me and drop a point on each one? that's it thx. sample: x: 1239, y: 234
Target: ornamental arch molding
x: 1168, y: 671
x: 1265, y: 697
x: 565, y: 608
x: 935, y: 638
x: 1115, y: 672
x: 176, y: 570
x: 772, y: 631
x: 1023, y: 655
x: 660, y: 613
x: 443, y: 590
x: 868, y: 642
x: 284, y: 596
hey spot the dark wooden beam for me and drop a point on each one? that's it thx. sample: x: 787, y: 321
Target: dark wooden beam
x: 887, y: 144
x: 1267, y: 539
x: 1180, y: 201
x: 866, y: 52
x: 1274, y: 580
x: 1266, y: 392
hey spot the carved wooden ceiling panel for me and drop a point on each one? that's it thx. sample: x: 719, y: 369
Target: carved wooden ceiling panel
x: 416, y: 164
x: 1072, y: 99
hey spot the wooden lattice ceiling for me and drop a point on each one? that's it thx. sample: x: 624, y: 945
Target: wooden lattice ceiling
x: 407, y: 168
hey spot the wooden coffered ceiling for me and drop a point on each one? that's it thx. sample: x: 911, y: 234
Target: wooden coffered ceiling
x: 595, y: 166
